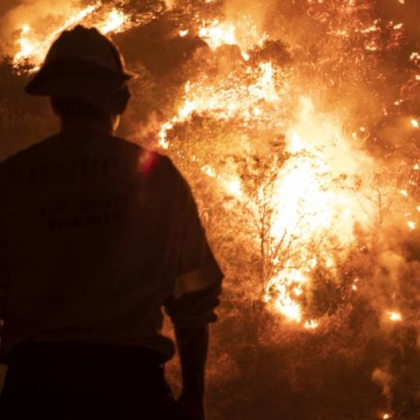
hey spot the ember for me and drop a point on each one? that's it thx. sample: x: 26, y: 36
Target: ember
x: 394, y: 316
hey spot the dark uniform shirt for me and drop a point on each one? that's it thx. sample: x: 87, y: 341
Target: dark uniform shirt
x: 96, y: 235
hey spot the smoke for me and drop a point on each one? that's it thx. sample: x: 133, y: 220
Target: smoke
x: 6, y: 6
x: 384, y: 379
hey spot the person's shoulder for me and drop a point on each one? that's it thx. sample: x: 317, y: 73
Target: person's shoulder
x: 23, y: 156
x: 149, y: 161
x: 166, y: 168
x: 125, y: 144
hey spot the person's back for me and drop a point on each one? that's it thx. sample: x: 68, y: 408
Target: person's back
x: 96, y: 235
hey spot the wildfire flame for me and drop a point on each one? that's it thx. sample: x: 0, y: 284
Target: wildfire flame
x: 33, y: 43
x: 217, y: 33
x: 307, y: 202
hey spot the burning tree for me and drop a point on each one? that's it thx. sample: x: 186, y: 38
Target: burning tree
x: 296, y: 123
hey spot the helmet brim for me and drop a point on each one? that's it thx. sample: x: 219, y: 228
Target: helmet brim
x: 74, y: 76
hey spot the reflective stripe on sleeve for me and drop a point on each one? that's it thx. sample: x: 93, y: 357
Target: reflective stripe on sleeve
x: 191, y: 282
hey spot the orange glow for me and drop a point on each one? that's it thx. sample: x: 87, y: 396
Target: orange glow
x: 306, y: 202
x: 34, y: 42
x: 114, y: 22
x: 311, y: 325
x: 394, y: 316
x: 411, y: 225
x: 217, y: 34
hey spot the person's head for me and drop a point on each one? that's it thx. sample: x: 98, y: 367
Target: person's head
x: 85, y: 77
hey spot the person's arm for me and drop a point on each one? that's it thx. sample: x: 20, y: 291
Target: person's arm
x: 191, y: 314
x: 193, y: 300
x: 192, y: 345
